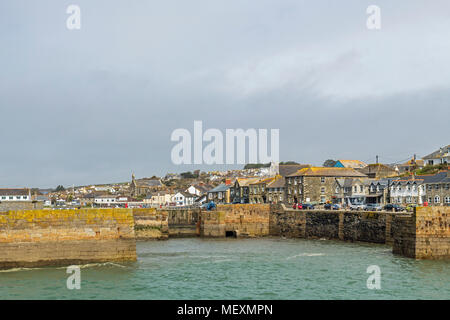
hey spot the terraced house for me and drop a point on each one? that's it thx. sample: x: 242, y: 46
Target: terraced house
x: 410, y: 191
x: 351, y: 190
x: 220, y: 194
x: 258, y: 190
x: 378, y: 191
x: 316, y: 184
x: 240, y: 192
x: 276, y: 190
x: 438, y: 189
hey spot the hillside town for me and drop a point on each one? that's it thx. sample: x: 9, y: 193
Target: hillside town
x: 336, y: 184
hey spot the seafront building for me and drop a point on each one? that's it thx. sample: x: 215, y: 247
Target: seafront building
x: 316, y: 184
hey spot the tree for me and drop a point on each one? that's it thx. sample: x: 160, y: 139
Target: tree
x: 60, y: 188
x: 288, y: 162
x: 256, y: 165
x: 188, y: 175
x: 329, y: 163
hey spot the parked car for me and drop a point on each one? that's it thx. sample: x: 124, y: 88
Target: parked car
x: 307, y: 206
x: 357, y: 206
x: 374, y: 207
x: 297, y: 206
x: 410, y: 207
x: 395, y: 207
x: 332, y: 206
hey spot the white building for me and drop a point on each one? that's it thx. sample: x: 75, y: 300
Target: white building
x: 15, y: 195
x: 183, y: 199
x: 407, y: 191
x: 105, y: 200
x: 438, y: 157
x: 160, y: 198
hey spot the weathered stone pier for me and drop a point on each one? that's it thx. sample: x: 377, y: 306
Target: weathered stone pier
x: 30, y: 238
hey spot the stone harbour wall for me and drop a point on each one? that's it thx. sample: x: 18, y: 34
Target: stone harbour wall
x: 365, y: 226
x: 184, y: 222
x: 423, y: 234
x: 150, y: 223
x: 32, y: 238
x: 342, y: 225
x: 244, y: 220
x: 20, y: 205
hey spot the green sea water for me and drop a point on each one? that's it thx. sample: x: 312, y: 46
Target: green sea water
x: 268, y: 268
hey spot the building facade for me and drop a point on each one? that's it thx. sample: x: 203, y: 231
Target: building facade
x: 316, y: 184
x: 219, y: 194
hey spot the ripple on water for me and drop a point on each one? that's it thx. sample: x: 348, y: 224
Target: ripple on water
x: 240, y: 269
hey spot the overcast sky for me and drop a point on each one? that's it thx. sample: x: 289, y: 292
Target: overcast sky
x: 93, y: 105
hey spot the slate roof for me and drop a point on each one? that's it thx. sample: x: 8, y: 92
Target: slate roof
x: 202, y: 188
x: 288, y: 169
x: 377, y: 168
x: 186, y: 194
x: 441, y: 152
x: 440, y: 177
x: 149, y: 182
x: 279, y: 182
x: 14, y: 192
x: 220, y: 188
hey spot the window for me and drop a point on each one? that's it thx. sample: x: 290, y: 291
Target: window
x: 322, y: 190
x: 447, y: 199
x: 408, y: 199
x: 437, y: 199
x: 355, y: 188
x: 372, y: 188
x: 322, y: 179
x: 361, y: 188
x: 436, y: 187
